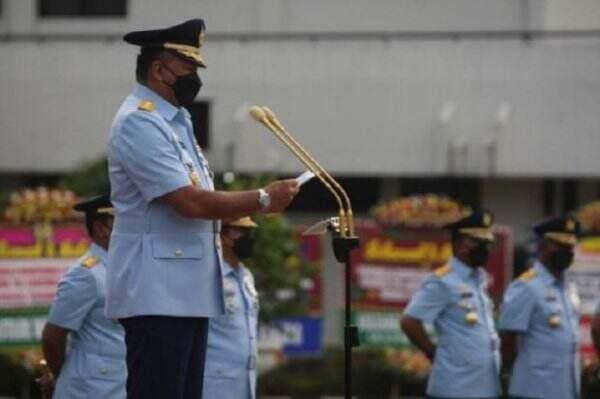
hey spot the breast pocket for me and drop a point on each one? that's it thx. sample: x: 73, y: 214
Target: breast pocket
x: 105, y: 369
x: 218, y: 368
x: 546, y: 361
x: 170, y: 246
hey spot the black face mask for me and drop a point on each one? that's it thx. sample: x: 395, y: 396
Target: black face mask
x: 479, y: 255
x: 561, y: 259
x: 243, y: 247
x: 186, y: 87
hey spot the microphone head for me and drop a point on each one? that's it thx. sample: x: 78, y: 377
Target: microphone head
x: 257, y: 113
x: 268, y: 113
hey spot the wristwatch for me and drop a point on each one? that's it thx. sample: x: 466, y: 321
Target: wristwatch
x: 264, y: 199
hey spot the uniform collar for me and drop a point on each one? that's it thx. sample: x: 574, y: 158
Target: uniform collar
x: 547, y: 277
x: 228, y: 269
x: 464, y: 272
x: 163, y: 107
x: 97, y: 250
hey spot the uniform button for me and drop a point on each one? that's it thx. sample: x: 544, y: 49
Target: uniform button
x: 178, y: 252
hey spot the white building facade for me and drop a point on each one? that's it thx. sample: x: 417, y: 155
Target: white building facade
x: 504, y: 93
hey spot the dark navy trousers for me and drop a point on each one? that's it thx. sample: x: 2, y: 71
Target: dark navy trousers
x: 165, y: 356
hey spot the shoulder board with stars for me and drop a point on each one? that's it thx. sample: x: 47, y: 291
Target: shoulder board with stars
x: 146, y: 105
x: 442, y: 271
x: 90, y: 262
x: 527, y: 275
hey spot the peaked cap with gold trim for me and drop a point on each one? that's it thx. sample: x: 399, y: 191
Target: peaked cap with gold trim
x: 476, y: 225
x: 184, y: 39
x: 96, y: 206
x: 563, y: 230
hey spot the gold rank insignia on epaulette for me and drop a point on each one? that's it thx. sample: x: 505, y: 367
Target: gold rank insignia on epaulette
x: 146, y: 105
x: 90, y: 262
x: 527, y: 275
x: 442, y: 270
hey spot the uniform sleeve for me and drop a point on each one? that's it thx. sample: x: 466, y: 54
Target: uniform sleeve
x: 517, y: 307
x: 75, y: 297
x: 429, y: 300
x: 148, y: 157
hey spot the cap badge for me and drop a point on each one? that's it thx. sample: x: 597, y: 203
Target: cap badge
x: 487, y: 219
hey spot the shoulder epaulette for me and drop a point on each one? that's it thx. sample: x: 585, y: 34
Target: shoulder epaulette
x: 90, y: 261
x: 527, y: 275
x: 146, y: 105
x: 442, y: 270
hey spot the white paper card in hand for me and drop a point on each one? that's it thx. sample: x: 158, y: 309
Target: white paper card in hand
x: 304, y: 177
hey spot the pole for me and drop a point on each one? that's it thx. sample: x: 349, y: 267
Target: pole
x: 342, y: 248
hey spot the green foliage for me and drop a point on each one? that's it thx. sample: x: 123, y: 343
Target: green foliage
x: 88, y: 180
x: 372, y: 377
x: 276, y: 264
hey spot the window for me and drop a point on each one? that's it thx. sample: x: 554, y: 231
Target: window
x: 314, y: 197
x: 82, y: 8
x: 200, y: 111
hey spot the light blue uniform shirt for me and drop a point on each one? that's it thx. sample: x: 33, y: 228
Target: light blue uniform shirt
x: 540, y: 308
x: 231, y: 354
x: 160, y: 262
x: 94, y: 366
x: 467, y: 358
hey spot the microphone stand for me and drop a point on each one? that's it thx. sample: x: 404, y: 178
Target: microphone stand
x: 342, y: 249
x: 343, y: 237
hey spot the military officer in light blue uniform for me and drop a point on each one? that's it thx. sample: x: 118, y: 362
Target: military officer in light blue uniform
x: 165, y: 276
x: 93, y: 366
x: 231, y: 352
x: 454, y: 299
x: 539, y: 322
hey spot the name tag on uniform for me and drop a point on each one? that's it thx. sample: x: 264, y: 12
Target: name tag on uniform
x: 465, y: 291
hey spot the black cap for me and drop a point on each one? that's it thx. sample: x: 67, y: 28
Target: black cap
x: 96, y: 206
x: 477, y: 224
x: 185, y: 39
x: 563, y: 230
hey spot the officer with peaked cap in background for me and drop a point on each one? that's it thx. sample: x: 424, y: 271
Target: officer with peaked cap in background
x: 93, y: 366
x: 539, y: 323
x: 231, y: 352
x: 454, y: 299
x: 165, y: 278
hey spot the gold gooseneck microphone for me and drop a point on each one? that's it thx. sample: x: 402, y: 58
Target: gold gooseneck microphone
x: 348, y: 205
x: 344, y: 241
x: 265, y: 116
